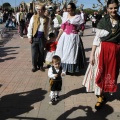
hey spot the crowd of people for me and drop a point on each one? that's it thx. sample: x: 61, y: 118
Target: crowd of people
x: 55, y: 39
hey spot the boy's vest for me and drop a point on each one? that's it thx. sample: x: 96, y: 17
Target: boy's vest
x: 59, y: 73
x: 37, y: 23
x: 57, y: 79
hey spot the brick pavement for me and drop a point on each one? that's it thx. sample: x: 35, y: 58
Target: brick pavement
x: 25, y: 95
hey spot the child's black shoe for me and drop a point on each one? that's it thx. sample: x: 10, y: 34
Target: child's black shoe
x: 57, y: 98
x: 52, y: 101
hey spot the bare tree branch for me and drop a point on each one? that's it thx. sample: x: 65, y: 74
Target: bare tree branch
x: 100, y: 2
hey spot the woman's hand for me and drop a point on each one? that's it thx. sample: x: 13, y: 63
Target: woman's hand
x: 92, y: 55
x: 57, y: 39
x: 92, y: 59
x: 59, y: 35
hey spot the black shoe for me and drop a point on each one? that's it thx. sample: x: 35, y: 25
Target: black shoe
x: 52, y: 101
x: 57, y: 98
x: 34, y: 69
x: 101, y: 100
x: 42, y: 69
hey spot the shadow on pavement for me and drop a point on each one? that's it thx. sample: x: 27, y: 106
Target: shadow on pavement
x: 28, y: 118
x: 115, y: 96
x: 6, y: 37
x: 89, y: 114
x: 6, y: 51
x: 70, y: 93
x: 16, y: 104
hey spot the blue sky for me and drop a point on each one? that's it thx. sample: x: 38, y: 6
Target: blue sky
x: 87, y: 3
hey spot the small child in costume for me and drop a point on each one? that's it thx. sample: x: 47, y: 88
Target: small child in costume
x: 50, y: 48
x: 55, y: 74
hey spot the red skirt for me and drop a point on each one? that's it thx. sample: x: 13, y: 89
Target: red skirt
x: 108, y: 67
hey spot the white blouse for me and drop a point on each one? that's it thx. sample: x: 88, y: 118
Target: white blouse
x: 76, y: 20
x: 99, y: 33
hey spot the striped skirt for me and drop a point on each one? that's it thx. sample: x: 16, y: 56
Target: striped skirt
x: 90, y: 75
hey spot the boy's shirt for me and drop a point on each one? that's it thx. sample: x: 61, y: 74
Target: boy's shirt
x: 50, y: 72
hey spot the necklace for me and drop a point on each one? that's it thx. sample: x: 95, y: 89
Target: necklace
x: 114, y: 23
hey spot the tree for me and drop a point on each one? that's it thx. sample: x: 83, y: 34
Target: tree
x: 6, y: 5
x: 101, y: 5
x: 89, y: 11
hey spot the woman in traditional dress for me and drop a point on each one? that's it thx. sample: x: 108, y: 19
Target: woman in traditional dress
x: 103, y: 70
x: 70, y: 47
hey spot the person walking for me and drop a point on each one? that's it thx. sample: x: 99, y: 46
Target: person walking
x: 51, y: 24
x: 57, y: 21
x: 103, y: 70
x: 21, y: 21
x: 29, y: 15
x: 70, y: 46
x: 55, y: 73
x: 37, y: 35
x: 83, y: 24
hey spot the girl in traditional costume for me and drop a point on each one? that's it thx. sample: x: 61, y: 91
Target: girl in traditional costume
x: 102, y: 73
x: 70, y: 47
x: 50, y: 49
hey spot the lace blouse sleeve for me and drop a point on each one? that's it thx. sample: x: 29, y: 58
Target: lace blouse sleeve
x: 99, y: 33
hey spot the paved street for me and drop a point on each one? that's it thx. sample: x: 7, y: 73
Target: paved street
x: 24, y: 95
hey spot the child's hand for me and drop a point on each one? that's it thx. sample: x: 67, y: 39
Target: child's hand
x: 55, y: 75
x: 62, y: 74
